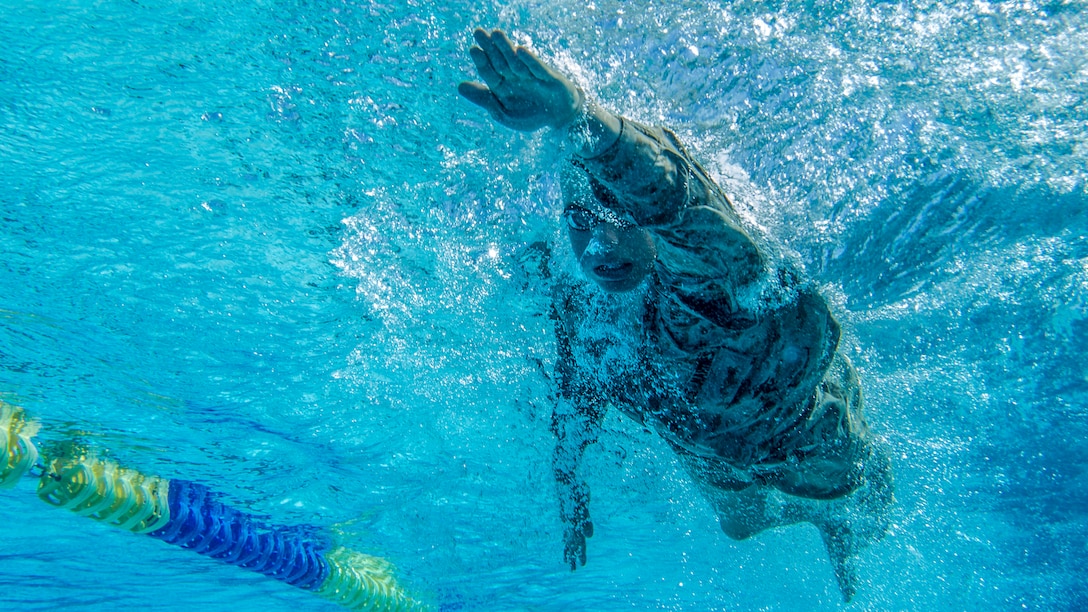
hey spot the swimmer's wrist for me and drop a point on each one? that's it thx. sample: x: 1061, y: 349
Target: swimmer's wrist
x: 593, y: 130
x: 580, y: 101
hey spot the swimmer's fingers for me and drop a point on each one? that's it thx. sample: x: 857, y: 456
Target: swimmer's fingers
x: 490, y: 46
x: 498, y: 54
x: 574, y: 550
x: 574, y: 544
x: 485, y: 67
x: 510, y: 55
x: 478, y: 94
x: 535, y: 66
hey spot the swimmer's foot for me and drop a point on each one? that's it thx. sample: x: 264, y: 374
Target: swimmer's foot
x: 841, y: 549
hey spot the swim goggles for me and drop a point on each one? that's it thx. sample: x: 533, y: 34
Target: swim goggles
x: 584, y: 220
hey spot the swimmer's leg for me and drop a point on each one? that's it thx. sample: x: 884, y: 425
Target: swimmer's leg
x: 849, y: 516
x: 740, y: 502
x: 842, y: 551
x: 853, y: 522
x: 756, y: 508
x: 847, y: 468
x: 744, y: 513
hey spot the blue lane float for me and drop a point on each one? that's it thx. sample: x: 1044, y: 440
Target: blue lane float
x: 186, y: 514
x: 209, y: 528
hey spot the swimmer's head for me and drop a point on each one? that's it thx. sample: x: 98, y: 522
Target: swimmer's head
x: 613, y: 252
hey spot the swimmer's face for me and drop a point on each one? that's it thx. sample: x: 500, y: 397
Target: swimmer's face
x: 615, y: 254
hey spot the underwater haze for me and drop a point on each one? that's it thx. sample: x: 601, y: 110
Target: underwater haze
x: 265, y: 247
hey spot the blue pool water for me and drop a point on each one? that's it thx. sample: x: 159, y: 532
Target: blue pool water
x: 263, y: 246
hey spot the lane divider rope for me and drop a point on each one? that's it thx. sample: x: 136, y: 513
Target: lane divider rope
x: 188, y: 515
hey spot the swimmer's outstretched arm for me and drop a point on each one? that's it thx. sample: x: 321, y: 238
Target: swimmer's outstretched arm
x: 523, y: 93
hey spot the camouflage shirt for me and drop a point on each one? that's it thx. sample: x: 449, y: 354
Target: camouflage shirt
x: 723, y: 347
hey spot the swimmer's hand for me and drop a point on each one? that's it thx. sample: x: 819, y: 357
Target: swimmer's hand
x: 520, y: 91
x: 578, y: 527
x: 574, y: 544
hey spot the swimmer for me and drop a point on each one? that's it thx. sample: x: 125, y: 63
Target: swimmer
x: 691, y: 324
